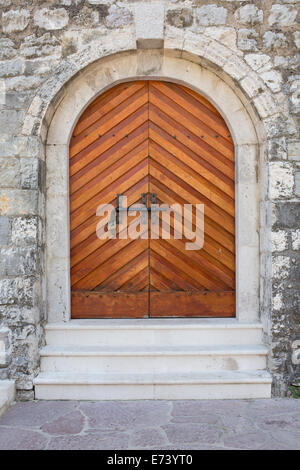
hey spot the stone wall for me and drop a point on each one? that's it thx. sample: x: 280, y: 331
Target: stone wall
x: 44, y: 43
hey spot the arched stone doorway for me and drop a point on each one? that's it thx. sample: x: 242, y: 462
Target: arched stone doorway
x: 157, y: 358
x: 81, y: 92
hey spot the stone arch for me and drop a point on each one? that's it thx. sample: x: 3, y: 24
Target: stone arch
x: 260, y: 102
x: 63, y: 112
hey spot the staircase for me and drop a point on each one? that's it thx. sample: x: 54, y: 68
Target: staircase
x: 153, y: 359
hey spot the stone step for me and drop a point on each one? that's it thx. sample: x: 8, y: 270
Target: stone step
x: 194, y: 386
x: 168, y: 332
x: 152, y: 359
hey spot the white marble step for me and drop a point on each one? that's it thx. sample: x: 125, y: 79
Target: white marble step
x: 203, y: 385
x: 169, y: 332
x: 152, y: 359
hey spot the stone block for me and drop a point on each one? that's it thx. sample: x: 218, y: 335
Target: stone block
x: 10, y: 68
x: 16, y: 261
x: 224, y: 35
x: 280, y: 267
x: 38, y: 46
x: 149, y: 24
x: 273, y: 79
x: 277, y: 149
x: 18, y: 202
x: 247, y: 39
x: 209, y: 15
x: 11, y: 121
x: 297, y: 39
x: 29, y: 173
x: 249, y: 14
x: 297, y: 183
x: 286, y: 214
x: 295, y: 239
x: 180, y: 18
x: 274, y: 41
x: 4, y: 230
x: 236, y: 68
x: 281, y: 180
x: 28, y: 146
x: 282, y: 15
x: 295, y: 96
x: 9, y: 172
x: 51, y: 19
x: 259, y: 62
x: 24, y: 230
x: 279, y: 240
x: 294, y: 150
x: 118, y: 17
x: 252, y: 85
x: 15, y: 20
x: 174, y: 39
x: 265, y: 105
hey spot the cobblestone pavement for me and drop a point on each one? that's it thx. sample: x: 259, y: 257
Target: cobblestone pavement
x: 205, y: 424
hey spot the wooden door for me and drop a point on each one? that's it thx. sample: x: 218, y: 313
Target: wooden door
x: 150, y: 137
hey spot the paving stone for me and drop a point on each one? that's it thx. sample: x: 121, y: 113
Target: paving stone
x: 125, y: 415
x: 36, y: 414
x: 150, y: 437
x: 194, y: 412
x: 287, y: 438
x: 90, y: 441
x: 21, y: 439
x: 276, y: 406
x: 254, y: 440
x: 178, y: 433
x: 71, y: 423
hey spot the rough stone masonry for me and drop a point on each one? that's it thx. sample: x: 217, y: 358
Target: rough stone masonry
x: 38, y: 41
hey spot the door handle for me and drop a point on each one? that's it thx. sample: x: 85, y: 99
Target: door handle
x: 120, y: 209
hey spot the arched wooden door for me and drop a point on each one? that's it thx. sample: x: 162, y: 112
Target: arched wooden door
x: 160, y: 140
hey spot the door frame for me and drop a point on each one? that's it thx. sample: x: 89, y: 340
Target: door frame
x: 80, y: 92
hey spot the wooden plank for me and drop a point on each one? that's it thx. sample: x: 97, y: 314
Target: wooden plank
x: 125, y: 182
x: 129, y: 272
x: 86, y: 232
x: 200, y: 99
x: 123, y: 131
x: 90, y: 242
x: 166, y: 270
x: 206, y: 262
x: 212, y: 228
x: 180, y: 264
x: 115, y: 263
x: 192, y: 304
x: 106, y: 103
x: 108, y: 158
x: 195, y: 143
x: 90, y: 304
x: 190, y: 177
x: 177, y: 185
x: 138, y: 282
x: 110, y: 120
x: 192, y: 105
x: 191, y: 123
x: 109, y: 176
x: 206, y: 169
